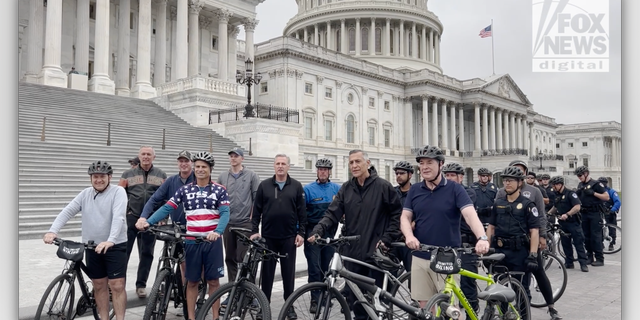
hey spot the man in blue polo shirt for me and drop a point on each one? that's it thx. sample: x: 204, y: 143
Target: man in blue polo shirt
x: 436, y: 205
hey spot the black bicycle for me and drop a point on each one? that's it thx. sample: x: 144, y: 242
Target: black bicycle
x: 58, y: 299
x: 168, y: 284
x: 242, y: 299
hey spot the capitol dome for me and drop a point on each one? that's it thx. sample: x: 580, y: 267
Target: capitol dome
x: 400, y: 28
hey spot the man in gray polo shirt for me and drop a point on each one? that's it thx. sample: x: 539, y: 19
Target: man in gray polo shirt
x: 242, y: 184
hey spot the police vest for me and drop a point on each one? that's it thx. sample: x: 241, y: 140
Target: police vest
x: 590, y: 202
x: 485, y: 195
x: 511, y: 217
x: 563, y: 201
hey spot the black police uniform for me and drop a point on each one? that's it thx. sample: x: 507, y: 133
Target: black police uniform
x: 485, y: 195
x: 403, y: 253
x: 564, y: 201
x: 512, y: 223
x: 469, y: 261
x: 552, y: 200
x: 591, y: 210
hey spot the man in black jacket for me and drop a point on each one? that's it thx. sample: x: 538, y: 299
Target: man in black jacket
x: 280, y: 206
x: 371, y: 209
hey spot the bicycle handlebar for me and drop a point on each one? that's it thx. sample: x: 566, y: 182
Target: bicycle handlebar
x: 259, y: 243
x: 175, y: 232
x: 338, y: 241
x: 90, y: 245
x: 429, y: 248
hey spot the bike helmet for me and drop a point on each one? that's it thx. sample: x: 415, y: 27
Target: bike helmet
x: 204, y: 156
x: 484, y: 172
x: 431, y: 152
x: 531, y: 173
x: 521, y: 163
x: 603, y: 180
x: 453, y: 167
x: 403, y: 165
x: 512, y: 172
x: 544, y: 176
x: 386, y: 260
x: 324, y: 163
x: 581, y: 170
x: 556, y: 180
x: 100, y: 167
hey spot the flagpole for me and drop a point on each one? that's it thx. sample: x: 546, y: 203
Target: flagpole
x: 493, y: 60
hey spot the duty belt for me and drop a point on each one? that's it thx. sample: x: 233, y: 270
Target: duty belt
x: 513, y: 243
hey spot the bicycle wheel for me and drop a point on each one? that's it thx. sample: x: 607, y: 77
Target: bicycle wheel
x: 57, y: 300
x: 557, y: 274
x: 330, y: 305
x: 401, y: 291
x: 249, y: 302
x: 612, y: 243
x: 159, y: 298
x: 521, y: 303
x: 434, y: 304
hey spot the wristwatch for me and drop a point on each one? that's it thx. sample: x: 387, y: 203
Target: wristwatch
x: 484, y: 238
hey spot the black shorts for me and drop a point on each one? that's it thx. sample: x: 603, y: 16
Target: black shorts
x: 112, y: 264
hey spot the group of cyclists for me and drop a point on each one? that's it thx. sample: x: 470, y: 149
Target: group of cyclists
x: 438, y: 211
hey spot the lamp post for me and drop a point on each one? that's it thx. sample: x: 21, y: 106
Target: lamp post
x: 249, y: 79
x: 540, y: 156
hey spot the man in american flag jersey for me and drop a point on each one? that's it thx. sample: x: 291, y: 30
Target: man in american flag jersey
x: 206, y: 207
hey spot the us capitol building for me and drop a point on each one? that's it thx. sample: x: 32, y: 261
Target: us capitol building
x: 344, y: 75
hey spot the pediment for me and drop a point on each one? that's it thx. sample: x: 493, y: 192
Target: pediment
x: 505, y: 87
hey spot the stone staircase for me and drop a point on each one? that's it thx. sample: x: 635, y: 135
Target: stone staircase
x: 52, y: 172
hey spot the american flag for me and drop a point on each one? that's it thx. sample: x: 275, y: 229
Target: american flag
x: 486, y: 32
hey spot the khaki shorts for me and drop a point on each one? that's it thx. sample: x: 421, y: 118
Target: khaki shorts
x: 425, y: 283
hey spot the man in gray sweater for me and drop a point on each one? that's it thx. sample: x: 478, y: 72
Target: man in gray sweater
x: 103, y: 208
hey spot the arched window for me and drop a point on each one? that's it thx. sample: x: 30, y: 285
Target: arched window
x: 352, y: 39
x: 338, y: 42
x: 351, y: 125
x: 378, y: 40
x: 365, y: 39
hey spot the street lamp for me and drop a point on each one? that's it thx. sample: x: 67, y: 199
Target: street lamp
x: 249, y: 79
x: 540, y: 156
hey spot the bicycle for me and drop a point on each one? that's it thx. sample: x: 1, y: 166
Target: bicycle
x: 168, y: 284
x: 63, y: 286
x: 377, y: 302
x: 556, y: 272
x: 244, y: 299
x: 505, y: 296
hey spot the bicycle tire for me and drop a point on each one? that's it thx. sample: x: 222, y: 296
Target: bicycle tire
x: 434, y: 304
x: 558, y: 280
x: 57, y: 284
x: 403, y: 289
x: 158, y: 301
x: 606, y: 239
x: 326, y: 292
x: 522, y: 300
x: 250, y: 291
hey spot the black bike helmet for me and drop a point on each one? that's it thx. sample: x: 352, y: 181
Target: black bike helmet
x: 403, y: 165
x: 544, y: 176
x: 386, y: 260
x: 430, y: 152
x: 453, y: 167
x: 556, y: 180
x: 581, y: 170
x: 520, y: 162
x: 603, y: 180
x: 100, y: 167
x: 324, y: 163
x: 512, y: 172
x: 204, y: 156
x: 484, y: 172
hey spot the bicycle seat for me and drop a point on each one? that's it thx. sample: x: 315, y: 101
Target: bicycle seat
x: 497, y: 292
x: 492, y: 257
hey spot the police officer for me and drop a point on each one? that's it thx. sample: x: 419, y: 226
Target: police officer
x: 613, y: 207
x: 404, y: 173
x: 485, y: 193
x: 513, y: 226
x: 544, y: 182
x: 455, y: 172
x: 592, y: 196
x: 567, y: 208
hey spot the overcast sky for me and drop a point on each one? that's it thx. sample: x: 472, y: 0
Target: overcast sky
x: 567, y: 97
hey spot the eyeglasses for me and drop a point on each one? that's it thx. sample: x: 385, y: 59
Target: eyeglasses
x: 509, y: 180
x: 580, y: 175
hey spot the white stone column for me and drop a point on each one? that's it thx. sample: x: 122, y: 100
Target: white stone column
x: 223, y: 18
x: 498, y: 129
x: 35, y: 31
x: 387, y: 40
x: 143, y: 88
x: 425, y: 119
x: 305, y: 34
x: 205, y: 43
x: 430, y: 45
x: 343, y: 43
x: 461, y: 127
x: 521, y: 132
x: 618, y: 148
x: 437, y: 49
x: 372, y: 37
x: 492, y: 128
x: 408, y: 111
x: 506, y: 132
x: 358, y: 37
x: 434, y: 120
x: 194, y: 37
x: 122, y: 78
x: 512, y: 126
x: 485, y: 127
x: 445, y: 127
x: 316, y: 35
x: 452, y: 124
x: 531, y: 148
x: 82, y: 38
x: 161, y: 43
x: 51, y: 73
x: 414, y: 42
x: 476, y: 126
x: 182, y: 51
x: 525, y: 136
x: 423, y: 44
x: 100, y: 81
x: 173, y: 17
x: 233, y: 55
x: 401, y: 44
x: 329, y: 44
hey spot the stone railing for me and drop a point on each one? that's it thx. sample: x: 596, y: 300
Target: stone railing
x: 505, y: 152
x: 198, y: 82
x: 556, y: 157
x: 262, y: 111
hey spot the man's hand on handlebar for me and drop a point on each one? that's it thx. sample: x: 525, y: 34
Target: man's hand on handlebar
x: 213, y: 236
x: 412, y: 243
x: 142, y: 224
x: 255, y: 236
x: 313, y: 238
x: 102, y: 247
x: 482, y: 247
x: 49, y: 237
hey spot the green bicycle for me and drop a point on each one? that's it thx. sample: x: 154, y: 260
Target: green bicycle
x: 505, y: 296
